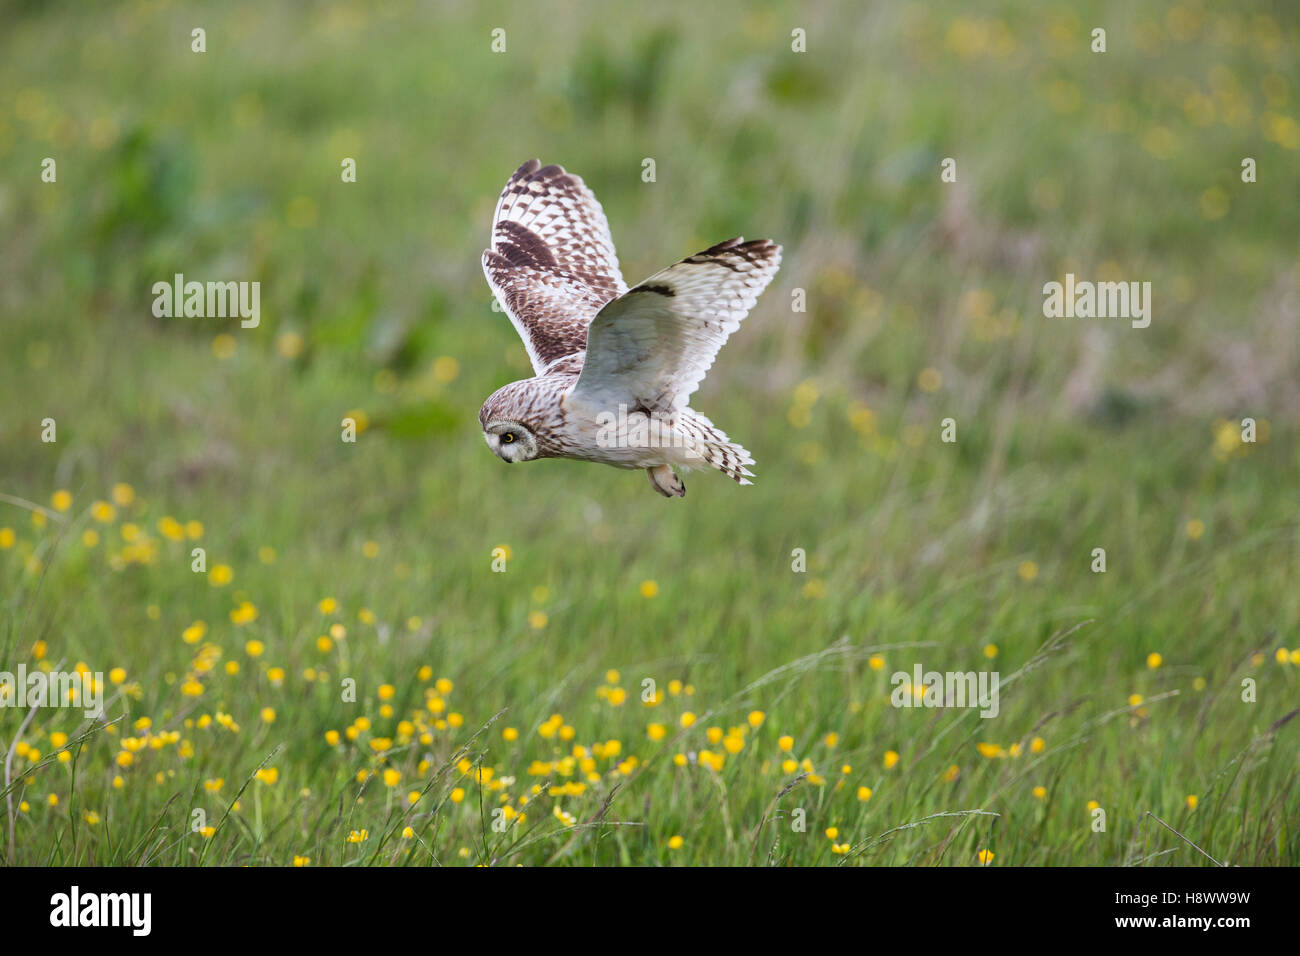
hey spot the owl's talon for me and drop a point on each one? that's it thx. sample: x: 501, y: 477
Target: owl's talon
x: 665, y: 482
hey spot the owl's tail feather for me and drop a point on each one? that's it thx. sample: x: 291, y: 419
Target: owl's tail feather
x: 730, y: 459
x: 711, y: 446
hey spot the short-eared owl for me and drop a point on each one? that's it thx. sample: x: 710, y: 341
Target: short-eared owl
x: 615, y: 366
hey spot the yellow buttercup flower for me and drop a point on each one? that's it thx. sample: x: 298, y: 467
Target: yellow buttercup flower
x: 245, y: 613
x: 171, y: 529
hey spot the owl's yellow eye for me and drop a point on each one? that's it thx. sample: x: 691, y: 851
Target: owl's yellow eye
x: 508, y: 437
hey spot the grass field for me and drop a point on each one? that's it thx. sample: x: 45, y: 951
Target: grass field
x: 650, y: 681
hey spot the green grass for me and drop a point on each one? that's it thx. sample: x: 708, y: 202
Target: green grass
x: 1073, y: 434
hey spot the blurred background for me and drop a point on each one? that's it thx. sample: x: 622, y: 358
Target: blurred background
x: 924, y: 301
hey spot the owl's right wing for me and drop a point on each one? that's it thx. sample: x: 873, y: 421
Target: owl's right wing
x: 651, y: 347
x: 552, y: 264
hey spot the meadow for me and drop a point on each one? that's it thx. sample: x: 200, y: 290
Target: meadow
x: 398, y: 651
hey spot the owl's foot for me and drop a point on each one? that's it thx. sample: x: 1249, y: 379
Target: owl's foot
x: 665, y: 482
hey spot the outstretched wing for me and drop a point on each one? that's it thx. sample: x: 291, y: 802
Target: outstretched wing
x: 552, y: 263
x: 651, y: 346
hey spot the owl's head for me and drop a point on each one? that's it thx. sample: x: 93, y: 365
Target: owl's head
x: 510, y: 441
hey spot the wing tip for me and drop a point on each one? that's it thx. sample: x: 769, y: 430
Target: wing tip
x: 755, y: 251
x: 527, y: 168
x: 533, y: 171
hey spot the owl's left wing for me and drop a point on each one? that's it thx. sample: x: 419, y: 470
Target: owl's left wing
x: 652, y: 346
x: 552, y: 263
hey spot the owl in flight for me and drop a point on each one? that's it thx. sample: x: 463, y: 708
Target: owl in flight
x: 614, y: 366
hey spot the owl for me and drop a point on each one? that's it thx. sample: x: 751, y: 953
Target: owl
x: 615, y: 367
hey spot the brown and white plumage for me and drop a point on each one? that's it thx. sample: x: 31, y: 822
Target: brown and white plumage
x: 612, y: 363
